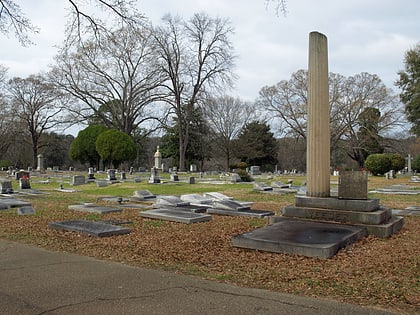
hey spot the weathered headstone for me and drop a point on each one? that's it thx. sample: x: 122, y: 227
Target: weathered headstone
x: 24, y: 183
x: 353, y: 185
x: 254, y: 170
x: 154, y: 176
x: 235, y: 178
x: 91, y: 174
x: 40, y: 166
x: 111, y: 175
x: 78, y: 180
x: 174, y: 177
x: 6, y: 187
x: 191, y: 180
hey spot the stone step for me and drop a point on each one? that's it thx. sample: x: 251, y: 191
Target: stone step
x: 384, y: 230
x: 380, y: 216
x: 366, y: 205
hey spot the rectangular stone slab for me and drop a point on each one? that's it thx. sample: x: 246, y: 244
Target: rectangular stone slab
x: 338, y: 204
x: 350, y: 217
x: 244, y: 213
x: 12, y: 202
x: 94, y: 209
x: 175, y: 215
x: 311, y: 239
x: 92, y: 228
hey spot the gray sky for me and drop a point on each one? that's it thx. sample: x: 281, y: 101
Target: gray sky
x: 363, y: 36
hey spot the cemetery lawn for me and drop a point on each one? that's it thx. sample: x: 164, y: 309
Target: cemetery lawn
x: 375, y: 272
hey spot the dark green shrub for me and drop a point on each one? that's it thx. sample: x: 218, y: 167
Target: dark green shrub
x: 243, y: 174
x: 397, y: 161
x: 378, y: 164
x: 415, y: 165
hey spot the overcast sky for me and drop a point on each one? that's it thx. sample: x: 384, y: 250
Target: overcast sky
x: 363, y: 36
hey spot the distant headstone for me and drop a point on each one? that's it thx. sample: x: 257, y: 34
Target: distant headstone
x: 123, y: 176
x: 6, y: 187
x: 174, y: 177
x: 24, y: 183
x: 254, y: 170
x: 78, y: 180
x: 111, y: 175
x: 193, y: 168
x: 40, y: 162
x: 101, y: 183
x: 91, y: 174
x: 192, y: 180
x: 21, y: 173
x: 154, y: 176
x: 26, y: 210
x: 235, y: 178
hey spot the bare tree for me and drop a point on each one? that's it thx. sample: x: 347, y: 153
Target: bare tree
x: 115, y: 79
x: 36, y: 105
x: 349, y: 98
x: 84, y: 14
x: 8, y: 125
x: 197, y: 57
x: 12, y: 19
x: 226, y: 117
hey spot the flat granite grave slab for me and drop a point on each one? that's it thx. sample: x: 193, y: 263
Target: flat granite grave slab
x: 311, y: 239
x: 243, y: 213
x: 26, y: 210
x: 6, y: 203
x: 92, y: 228
x: 175, y: 215
x: 90, y: 207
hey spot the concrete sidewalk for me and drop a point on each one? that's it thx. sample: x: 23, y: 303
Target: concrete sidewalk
x: 37, y: 281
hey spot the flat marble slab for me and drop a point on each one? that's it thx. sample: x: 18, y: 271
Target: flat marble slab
x: 88, y: 207
x: 92, y: 228
x: 175, y: 215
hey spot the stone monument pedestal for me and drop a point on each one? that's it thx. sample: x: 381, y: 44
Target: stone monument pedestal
x: 154, y: 176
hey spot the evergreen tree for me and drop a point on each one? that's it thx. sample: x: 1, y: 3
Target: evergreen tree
x: 256, y: 145
x: 409, y: 82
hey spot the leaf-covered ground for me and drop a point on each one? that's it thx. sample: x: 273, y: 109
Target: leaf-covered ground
x: 376, y: 272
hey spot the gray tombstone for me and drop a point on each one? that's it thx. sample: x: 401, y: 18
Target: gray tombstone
x: 174, y: 177
x: 254, y: 170
x: 78, y: 180
x: 235, y: 178
x: 154, y: 176
x: 192, y: 180
x: 6, y: 187
x: 111, y: 175
x: 91, y: 174
x: 24, y: 183
x: 352, y: 185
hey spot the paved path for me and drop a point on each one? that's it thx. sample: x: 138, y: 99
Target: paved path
x: 37, y: 281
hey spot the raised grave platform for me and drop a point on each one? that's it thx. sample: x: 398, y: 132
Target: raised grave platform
x: 312, y: 239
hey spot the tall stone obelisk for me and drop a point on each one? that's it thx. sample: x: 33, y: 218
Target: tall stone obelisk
x: 318, y: 130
